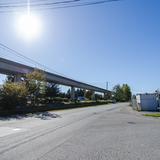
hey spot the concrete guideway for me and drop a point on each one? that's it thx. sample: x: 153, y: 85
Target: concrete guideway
x: 13, y: 68
x: 113, y: 132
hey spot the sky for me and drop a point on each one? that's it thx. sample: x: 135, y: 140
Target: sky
x: 117, y: 42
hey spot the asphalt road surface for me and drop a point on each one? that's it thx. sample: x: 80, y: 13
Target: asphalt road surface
x: 107, y: 132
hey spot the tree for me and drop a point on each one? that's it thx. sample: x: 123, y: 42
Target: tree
x: 16, y: 93
x: 122, y: 93
x: 36, y: 75
x: 10, y: 78
x: 98, y: 96
x: 88, y: 94
x: 68, y: 94
x: 62, y: 95
x: 52, y: 90
x: 13, y: 94
x: 118, y: 93
x: 127, y: 92
x: 36, y: 85
x: 79, y: 93
x: 33, y: 81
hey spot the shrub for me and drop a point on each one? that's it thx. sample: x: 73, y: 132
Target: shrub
x: 13, y: 95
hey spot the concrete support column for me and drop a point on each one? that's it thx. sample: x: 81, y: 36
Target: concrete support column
x: 17, y: 78
x: 93, y: 96
x: 72, y: 93
x: 105, y: 96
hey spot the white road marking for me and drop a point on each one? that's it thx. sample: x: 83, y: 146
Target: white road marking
x: 4, y: 131
x: 16, y: 129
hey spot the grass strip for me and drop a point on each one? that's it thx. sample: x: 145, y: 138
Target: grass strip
x: 152, y: 115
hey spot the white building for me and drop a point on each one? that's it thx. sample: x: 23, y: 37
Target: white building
x: 147, y: 102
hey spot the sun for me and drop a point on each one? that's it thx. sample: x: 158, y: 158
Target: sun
x: 29, y: 26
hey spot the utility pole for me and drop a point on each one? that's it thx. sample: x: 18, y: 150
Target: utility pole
x: 106, y: 85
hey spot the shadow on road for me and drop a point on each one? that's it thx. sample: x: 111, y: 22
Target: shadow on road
x: 39, y: 115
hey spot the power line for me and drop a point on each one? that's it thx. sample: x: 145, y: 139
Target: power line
x: 37, y: 4
x: 35, y: 63
x: 54, y: 5
x: 83, y: 4
x: 43, y: 67
x: 18, y: 54
x: 22, y: 2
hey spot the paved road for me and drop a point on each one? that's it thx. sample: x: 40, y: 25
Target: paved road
x: 108, y: 132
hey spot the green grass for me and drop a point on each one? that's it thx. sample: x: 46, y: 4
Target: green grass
x: 152, y: 115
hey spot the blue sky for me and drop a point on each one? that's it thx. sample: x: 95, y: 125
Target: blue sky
x: 117, y: 42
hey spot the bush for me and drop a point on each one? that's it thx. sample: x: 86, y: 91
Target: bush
x: 13, y: 95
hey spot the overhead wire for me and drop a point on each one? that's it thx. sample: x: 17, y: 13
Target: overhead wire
x: 31, y: 61
x: 35, y: 63
x: 37, y: 4
x: 54, y: 5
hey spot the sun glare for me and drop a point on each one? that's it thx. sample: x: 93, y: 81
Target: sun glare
x: 29, y: 26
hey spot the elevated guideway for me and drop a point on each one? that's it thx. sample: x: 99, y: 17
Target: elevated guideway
x: 9, y: 67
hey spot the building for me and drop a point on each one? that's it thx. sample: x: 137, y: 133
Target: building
x: 146, y: 102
